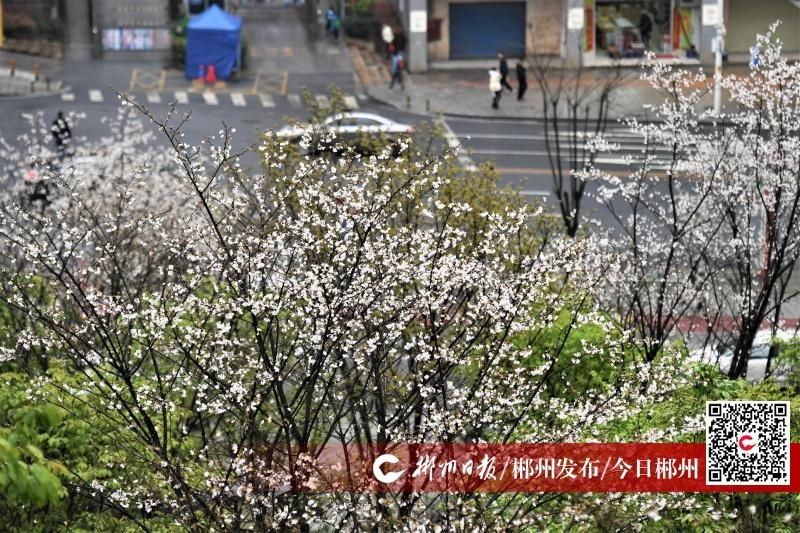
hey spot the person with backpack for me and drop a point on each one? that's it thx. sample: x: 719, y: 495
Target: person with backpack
x: 330, y: 14
x: 336, y: 25
x: 398, y: 66
x: 61, y: 134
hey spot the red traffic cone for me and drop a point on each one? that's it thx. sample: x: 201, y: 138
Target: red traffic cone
x: 211, y: 75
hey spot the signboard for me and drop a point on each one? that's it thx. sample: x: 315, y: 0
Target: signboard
x: 418, y: 21
x: 711, y: 15
x: 136, y: 39
x: 575, y: 18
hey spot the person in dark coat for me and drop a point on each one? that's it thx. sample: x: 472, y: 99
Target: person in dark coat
x: 522, y: 79
x: 504, y: 72
x: 61, y: 133
x: 646, y: 28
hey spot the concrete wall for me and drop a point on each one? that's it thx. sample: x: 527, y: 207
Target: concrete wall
x: 543, y: 26
x: 127, y: 14
x: 746, y: 18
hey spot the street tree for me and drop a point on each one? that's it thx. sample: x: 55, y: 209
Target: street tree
x: 707, y: 220
x: 214, y: 327
x: 575, y: 107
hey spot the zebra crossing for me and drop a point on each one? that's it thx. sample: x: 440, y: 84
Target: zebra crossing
x: 210, y: 98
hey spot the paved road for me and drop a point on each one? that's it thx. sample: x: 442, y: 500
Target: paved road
x: 283, y: 62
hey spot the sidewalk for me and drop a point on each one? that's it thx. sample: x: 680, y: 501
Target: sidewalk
x: 466, y: 92
x: 22, y: 80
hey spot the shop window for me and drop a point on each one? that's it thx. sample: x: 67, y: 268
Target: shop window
x: 630, y: 28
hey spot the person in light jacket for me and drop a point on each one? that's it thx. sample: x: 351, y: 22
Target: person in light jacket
x: 495, y: 87
x: 387, y: 35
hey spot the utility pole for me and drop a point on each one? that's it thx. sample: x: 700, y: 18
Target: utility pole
x: 342, y: 4
x: 719, y: 46
x: 79, y: 30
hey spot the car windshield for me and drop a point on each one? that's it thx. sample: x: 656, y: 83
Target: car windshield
x: 347, y: 121
x: 365, y: 121
x: 759, y: 351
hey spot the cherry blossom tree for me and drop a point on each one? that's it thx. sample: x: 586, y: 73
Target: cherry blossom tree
x: 222, y: 325
x: 707, y: 222
x: 575, y: 112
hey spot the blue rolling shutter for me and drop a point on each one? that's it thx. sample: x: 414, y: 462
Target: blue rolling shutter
x: 482, y: 30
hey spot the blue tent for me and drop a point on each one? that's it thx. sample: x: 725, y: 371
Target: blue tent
x: 212, y: 38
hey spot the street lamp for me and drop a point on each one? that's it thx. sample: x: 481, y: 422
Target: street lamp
x: 718, y: 45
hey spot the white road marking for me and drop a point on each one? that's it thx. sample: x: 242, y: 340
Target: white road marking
x: 153, y: 97
x: 294, y: 100
x: 611, y: 138
x: 68, y: 97
x: 453, y: 142
x: 210, y: 98
x: 266, y: 100
x: 182, y: 97
x: 238, y: 99
x: 487, y: 151
x: 534, y: 193
x: 613, y: 129
x: 655, y: 163
x: 322, y: 100
x: 95, y: 95
x: 350, y: 102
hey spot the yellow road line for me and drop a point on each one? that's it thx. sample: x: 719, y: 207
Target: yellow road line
x: 284, y: 83
x: 134, y: 76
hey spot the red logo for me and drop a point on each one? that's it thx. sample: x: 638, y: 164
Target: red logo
x: 747, y: 442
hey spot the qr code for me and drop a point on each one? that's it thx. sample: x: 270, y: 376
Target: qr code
x: 747, y: 443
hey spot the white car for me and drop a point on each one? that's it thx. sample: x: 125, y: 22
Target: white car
x: 349, y: 128
x: 757, y: 364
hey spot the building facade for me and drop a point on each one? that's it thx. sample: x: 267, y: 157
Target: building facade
x: 138, y: 28
x: 477, y: 29
x: 593, y: 32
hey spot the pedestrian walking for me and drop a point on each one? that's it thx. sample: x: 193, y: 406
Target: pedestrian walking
x: 495, y: 87
x: 330, y: 14
x: 61, y: 134
x: 387, y: 35
x: 336, y: 24
x: 504, y: 72
x: 755, y: 56
x: 398, y: 65
x: 522, y: 79
x: 646, y: 28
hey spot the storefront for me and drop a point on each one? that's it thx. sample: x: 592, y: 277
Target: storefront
x: 140, y: 28
x: 481, y: 29
x: 478, y: 29
x: 746, y: 18
x: 626, y: 30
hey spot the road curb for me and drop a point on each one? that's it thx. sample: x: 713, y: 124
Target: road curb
x: 30, y: 96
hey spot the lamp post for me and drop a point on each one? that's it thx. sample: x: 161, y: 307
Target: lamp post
x: 718, y: 46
